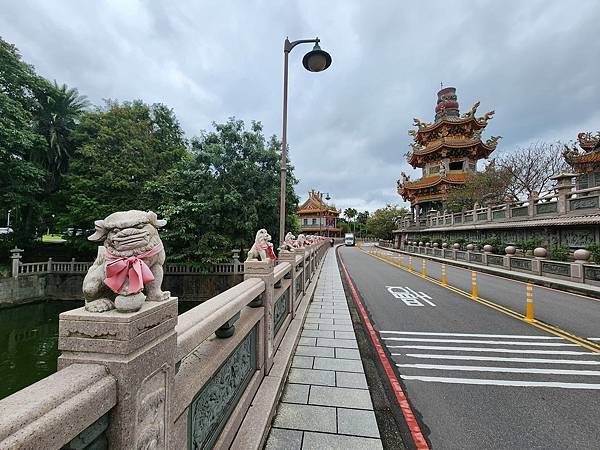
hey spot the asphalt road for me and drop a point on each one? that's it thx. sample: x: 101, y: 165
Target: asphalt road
x: 576, y: 314
x: 477, y: 378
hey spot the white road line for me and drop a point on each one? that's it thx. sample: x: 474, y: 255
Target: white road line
x: 501, y: 369
x: 475, y: 341
x: 514, y: 336
x: 552, y: 384
x: 493, y: 350
x: 491, y: 358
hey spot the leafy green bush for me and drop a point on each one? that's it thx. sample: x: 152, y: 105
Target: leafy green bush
x: 529, y: 244
x: 559, y: 253
x: 497, y: 245
x: 595, y: 251
x: 424, y: 239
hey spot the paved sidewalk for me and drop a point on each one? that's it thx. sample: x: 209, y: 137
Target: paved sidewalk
x: 326, y: 402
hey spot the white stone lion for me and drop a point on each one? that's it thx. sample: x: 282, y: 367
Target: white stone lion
x: 288, y: 243
x: 128, y: 265
x: 262, y: 249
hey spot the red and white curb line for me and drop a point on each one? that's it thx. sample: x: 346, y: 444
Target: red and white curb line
x: 407, y: 412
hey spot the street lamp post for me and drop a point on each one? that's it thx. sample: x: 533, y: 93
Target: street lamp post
x: 316, y: 60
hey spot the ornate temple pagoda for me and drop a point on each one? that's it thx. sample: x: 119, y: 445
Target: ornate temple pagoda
x: 446, y: 151
x: 586, y: 162
x: 317, y: 217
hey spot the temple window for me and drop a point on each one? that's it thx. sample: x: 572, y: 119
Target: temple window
x: 456, y: 165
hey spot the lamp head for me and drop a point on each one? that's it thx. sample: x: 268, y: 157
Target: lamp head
x: 316, y: 60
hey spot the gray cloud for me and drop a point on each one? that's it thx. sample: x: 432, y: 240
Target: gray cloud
x: 533, y: 62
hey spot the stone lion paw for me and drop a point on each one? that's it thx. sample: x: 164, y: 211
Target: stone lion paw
x: 99, y: 305
x: 159, y: 297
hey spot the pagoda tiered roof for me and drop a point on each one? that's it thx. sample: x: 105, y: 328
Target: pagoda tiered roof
x: 315, y: 204
x: 589, y: 161
x: 473, y: 147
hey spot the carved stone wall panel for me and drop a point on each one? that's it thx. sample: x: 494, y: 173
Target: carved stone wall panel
x: 298, y: 286
x: 500, y: 214
x: 461, y: 255
x: 482, y: 216
x: 583, y: 203
x: 214, y: 403
x: 556, y: 268
x: 577, y: 237
x: 93, y: 437
x: 520, y: 263
x: 495, y: 260
x: 151, y: 409
x: 280, y: 310
x: 592, y: 273
x: 477, y: 257
x: 546, y: 208
x: 520, y: 211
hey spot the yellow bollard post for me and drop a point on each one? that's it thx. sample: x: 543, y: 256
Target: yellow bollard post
x: 423, y: 268
x: 474, y: 284
x: 529, y: 316
x: 443, y: 274
x: 410, y: 263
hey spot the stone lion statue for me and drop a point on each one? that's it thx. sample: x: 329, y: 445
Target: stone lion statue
x: 288, y: 243
x: 262, y: 249
x: 301, y: 241
x: 129, y: 267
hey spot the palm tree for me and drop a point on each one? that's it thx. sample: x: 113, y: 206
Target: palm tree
x: 60, y: 110
x: 351, y: 213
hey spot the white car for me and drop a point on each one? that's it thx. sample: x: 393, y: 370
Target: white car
x: 5, y: 230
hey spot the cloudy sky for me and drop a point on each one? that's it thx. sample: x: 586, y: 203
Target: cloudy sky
x: 534, y: 62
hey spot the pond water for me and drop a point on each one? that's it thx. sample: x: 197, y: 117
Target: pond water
x: 29, y: 342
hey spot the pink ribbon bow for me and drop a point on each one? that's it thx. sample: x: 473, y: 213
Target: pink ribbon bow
x: 268, y: 248
x: 133, y: 268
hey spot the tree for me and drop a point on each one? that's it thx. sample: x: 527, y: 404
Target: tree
x: 531, y: 168
x: 489, y: 187
x: 120, y: 149
x: 384, y: 220
x: 350, y: 213
x: 21, y: 180
x: 227, y: 189
x: 61, y: 108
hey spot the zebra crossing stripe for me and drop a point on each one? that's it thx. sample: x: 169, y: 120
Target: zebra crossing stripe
x: 512, y: 336
x: 491, y: 358
x: 501, y: 369
x: 517, y: 383
x: 493, y: 350
x: 475, y: 341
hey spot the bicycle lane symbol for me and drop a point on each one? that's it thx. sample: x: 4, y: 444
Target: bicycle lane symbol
x: 409, y: 296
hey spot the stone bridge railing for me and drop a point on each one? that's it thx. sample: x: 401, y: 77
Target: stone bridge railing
x: 564, y: 202
x: 209, y: 378
x: 78, y: 267
x: 579, y: 271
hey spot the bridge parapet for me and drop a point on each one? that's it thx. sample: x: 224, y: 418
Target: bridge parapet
x: 153, y: 379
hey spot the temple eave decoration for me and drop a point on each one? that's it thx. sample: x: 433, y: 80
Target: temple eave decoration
x: 446, y: 150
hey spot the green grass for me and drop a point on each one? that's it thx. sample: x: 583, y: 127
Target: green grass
x: 53, y: 239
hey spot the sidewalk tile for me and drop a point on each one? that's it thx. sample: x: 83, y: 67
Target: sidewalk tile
x: 303, y: 362
x: 358, y: 423
x: 280, y: 439
x: 311, y: 341
x: 326, y: 352
x: 351, y: 380
x: 341, y: 397
x: 319, y: 320
x: 312, y: 376
x: 306, y: 417
x: 341, y: 321
x: 320, y: 441
x: 295, y: 393
x: 318, y: 333
x: 344, y: 335
x: 342, y: 365
x: 326, y: 326
x: 336, y: 316
x: 311, y: 326
x: 347, y: 353
x: 343, y: 343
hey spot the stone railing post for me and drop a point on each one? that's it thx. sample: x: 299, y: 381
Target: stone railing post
x: 531, y: 204
x: 264, y: 271
x: 49, y: 266
x: 139, y: 350
x: 15, y: 256
x: 235, y: 257
x: 286, y: 256
x: 72, y: 269
x: 581, y: 257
